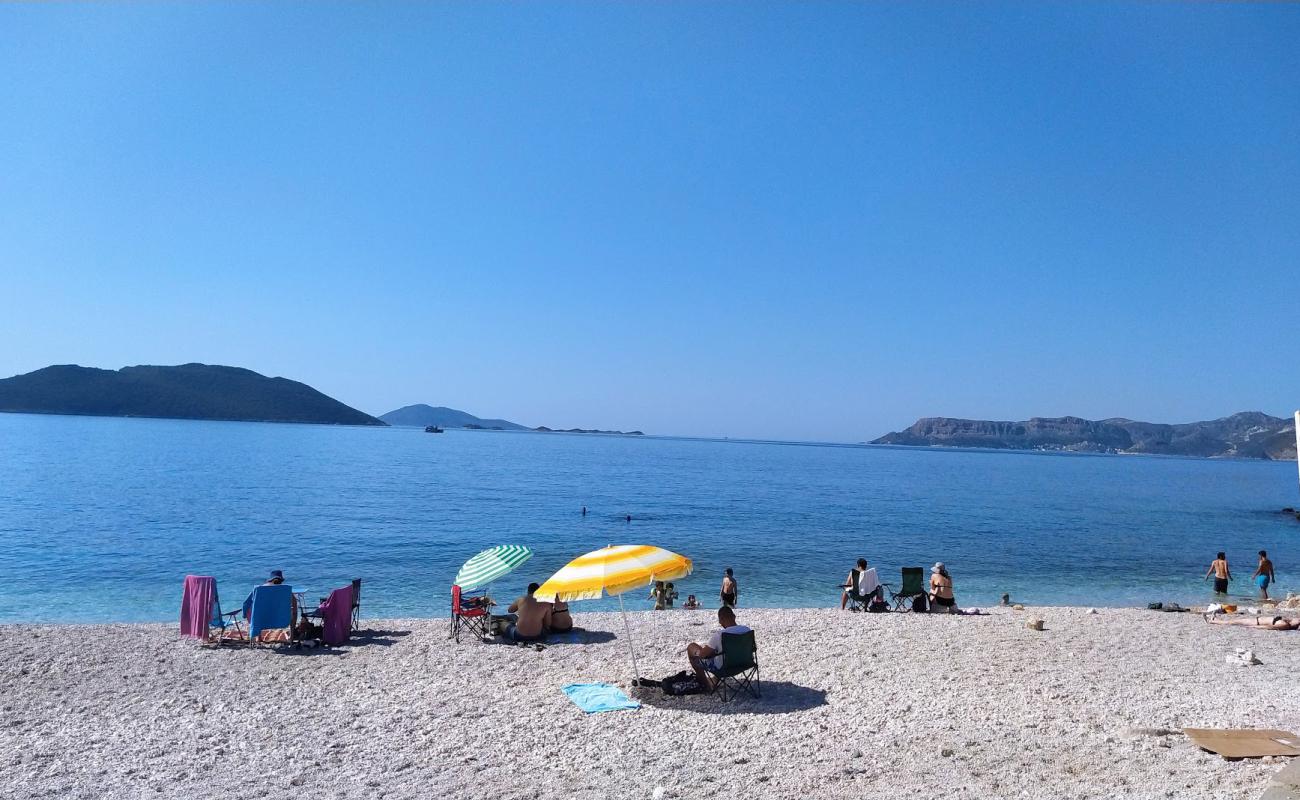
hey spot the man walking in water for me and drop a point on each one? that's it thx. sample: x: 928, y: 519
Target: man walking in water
x: 1263, y: 575
x: 1221, y: 573
x: 730, y: 590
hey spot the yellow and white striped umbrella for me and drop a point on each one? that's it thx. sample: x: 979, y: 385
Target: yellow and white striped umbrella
x: 613, y: 570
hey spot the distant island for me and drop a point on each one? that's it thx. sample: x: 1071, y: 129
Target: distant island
x: 422, y: 415
x: 1250, y: 434
x: 188, y: 391
x: 544, y: 429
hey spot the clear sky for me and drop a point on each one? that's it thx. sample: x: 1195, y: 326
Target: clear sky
x: 801, y: 221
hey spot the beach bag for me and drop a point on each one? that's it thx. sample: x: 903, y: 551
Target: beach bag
x: 918, y: 604
x: 877, y: 606
x: 680, y: 684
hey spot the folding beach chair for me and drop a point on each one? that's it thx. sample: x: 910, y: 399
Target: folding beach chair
x: 226, y: 623
x: 865, y: 589
x: 270, y: 607
x: 201, y: 616
x: 739, y: 670
x: 356, y: 604
x: 474, y: 620
x: 913, y: 585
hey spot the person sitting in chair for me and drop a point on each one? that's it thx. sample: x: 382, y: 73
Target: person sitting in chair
x: 709, y: 656
x: 561, y: 619
x: 855, y: 589
x: 533, y: 618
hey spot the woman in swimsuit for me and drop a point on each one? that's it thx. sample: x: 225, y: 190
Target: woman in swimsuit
x: 941, y: 590
x: 1268, y: 623
x: 657, y: 594
x: 561, y: 619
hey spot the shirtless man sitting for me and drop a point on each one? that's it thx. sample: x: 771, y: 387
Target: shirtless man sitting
x: 532, y: 620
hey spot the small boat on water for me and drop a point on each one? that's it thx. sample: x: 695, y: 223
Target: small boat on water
x: 432, y: 429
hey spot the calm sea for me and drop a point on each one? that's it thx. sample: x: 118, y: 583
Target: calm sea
x: 100, y: 519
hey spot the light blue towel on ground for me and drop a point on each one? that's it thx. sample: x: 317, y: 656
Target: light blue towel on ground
x: 272, y: 608
x: 597, y: 697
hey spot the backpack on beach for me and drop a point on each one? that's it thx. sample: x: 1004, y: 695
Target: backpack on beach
x: 681, y: 684
x: 919, y: 604
x: 877, y: 606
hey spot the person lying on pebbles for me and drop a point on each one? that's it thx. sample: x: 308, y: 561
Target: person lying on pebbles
x: 1267, y: 623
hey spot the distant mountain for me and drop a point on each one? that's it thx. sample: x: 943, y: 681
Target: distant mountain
x: 188, y: 391
x: 1250, y: 434
x: 544, y: 429
x: 421, y: 415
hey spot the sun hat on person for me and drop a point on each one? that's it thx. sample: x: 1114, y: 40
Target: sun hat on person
x: 938, y: 567
x: 276, y: 575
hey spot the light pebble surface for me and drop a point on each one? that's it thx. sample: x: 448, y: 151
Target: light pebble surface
x: 854, y: 705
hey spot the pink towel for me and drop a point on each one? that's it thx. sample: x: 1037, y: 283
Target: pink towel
x: 337, y: 611
x: 196, y: 605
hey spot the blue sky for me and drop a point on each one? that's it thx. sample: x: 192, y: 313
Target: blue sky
x: 802, y: 221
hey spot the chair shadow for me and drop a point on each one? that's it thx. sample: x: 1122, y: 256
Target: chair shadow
x: 778, y: 697
x: 365, y: 638
x: 373, y: 638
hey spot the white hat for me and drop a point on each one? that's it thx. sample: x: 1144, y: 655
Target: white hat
x: 938, y: 567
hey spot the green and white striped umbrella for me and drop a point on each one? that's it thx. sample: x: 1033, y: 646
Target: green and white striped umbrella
x: 491, y: 564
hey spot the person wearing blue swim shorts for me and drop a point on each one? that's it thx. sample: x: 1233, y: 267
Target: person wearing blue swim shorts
x: 1263, y: 575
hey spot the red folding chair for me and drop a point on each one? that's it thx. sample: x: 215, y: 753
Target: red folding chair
x: 474, y: 620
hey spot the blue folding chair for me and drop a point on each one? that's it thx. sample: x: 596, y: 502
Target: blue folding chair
x: 270, y: 607
x: 223, y: 623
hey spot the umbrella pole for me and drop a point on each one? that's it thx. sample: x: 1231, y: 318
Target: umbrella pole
x: 628, y: 629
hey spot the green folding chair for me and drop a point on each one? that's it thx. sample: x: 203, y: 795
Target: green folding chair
x: 913, y: 585
x: 739, y: 670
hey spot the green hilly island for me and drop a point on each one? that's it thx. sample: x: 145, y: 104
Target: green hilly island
x: 1249, y: 434
x: 187, y: 391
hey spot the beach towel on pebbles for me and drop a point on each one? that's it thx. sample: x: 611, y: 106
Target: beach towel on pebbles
x: 597, y: 697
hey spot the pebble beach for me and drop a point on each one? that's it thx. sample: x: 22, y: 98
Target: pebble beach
x: 853, y: 705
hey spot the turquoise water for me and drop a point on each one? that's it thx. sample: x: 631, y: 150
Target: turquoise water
x: 101, y: 518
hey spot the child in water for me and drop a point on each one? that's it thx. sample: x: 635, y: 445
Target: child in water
x: 691, y: 602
